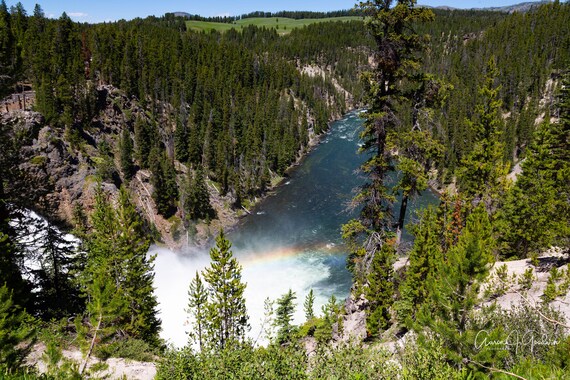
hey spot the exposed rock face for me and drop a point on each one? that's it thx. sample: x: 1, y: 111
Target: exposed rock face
x: 118, y: 368
x: 354, y: 322
x: 510, y: 292
x: 310, y: 344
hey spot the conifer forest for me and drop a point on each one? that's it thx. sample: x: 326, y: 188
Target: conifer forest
x: 116, y: 137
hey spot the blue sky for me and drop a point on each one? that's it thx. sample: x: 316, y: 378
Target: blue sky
x: 111, y: 10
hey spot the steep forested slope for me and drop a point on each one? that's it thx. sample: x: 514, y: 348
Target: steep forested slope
x: 236, y: 104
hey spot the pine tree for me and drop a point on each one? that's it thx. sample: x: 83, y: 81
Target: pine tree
x: 126, y: 155
x: 60, y: 262
x: 196, y: 204
x: 227, y: 315
x: 424, y: 260
x: 117, y: 252
x: 163, y: 180
x: 143, y: 143
x: 308, y: 305
x: 105, y: 309
x: 417, y: 151
x: 10, y: 253
x: 7, y: 42
x: 181, y: 138
x: 133, y: 244
x: 380, y: 291
x: 455, y: 289
x: 397, y: 63
x: 284, y: 316
x: 483, y: 167
x: 197, y: 308
x: 15, y: 328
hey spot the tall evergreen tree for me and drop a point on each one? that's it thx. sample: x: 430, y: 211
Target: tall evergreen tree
x: 380, y: 291
x: 11, y: 260
x: 126, y: 154
x: 397, y: 61
x: 284, y: 316
x: 424, y: 260
x: 7, y: 43
x: 197, y: 308
x: 196, y: 202
x: 227, y: 315
x: 117, y: 252
x: 417, y: 148
x: 454, y: 291
x: 143, y: 142
x: 105, y: 309
x: 308, y: 305
x: 163, y: 179
x: 483, y: 167
x: 59, y: 265
x: 15, y: 328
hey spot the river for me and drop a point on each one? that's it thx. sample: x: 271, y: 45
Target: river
x: 292, y: 239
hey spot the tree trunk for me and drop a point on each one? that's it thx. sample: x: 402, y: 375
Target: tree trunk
x: 92, y: 345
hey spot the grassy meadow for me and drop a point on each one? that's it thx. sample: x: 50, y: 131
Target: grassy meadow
x: 282, y: 24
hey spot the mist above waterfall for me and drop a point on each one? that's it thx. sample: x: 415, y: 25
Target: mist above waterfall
x: 267, y: 276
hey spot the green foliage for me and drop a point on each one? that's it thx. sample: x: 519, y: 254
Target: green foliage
x: 537, y: 209
x: 483, y: 167
x: 105, y: 166
x: 527, y: 279
x: 391, y: 85
x: 426, y: 360
x: 58, y: 367
x: 126, y: 155
x: 351, y: 361
x: 197, y: 308
x: 396, y: 62
x: 499, y: 283
x: 323, y: 327
x: 380, y: 291
x: 134, y: 349
x: 424, y: 260
x: 557, y: 285
x: 227, y: 319
x: 355, y: 261
x: 165, y: 188
x: 455, y: 289
x: 16, y: 332
x: 104, y: 311
x: 242, y: 362
x: 145, y: 139
x: 196, y: 198
x: 56, y: 277
x: 284, y: 316
x: 118, y: 276
x: 308, y: 305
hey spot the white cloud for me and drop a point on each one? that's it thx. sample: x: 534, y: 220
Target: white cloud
x: 77, y: 14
